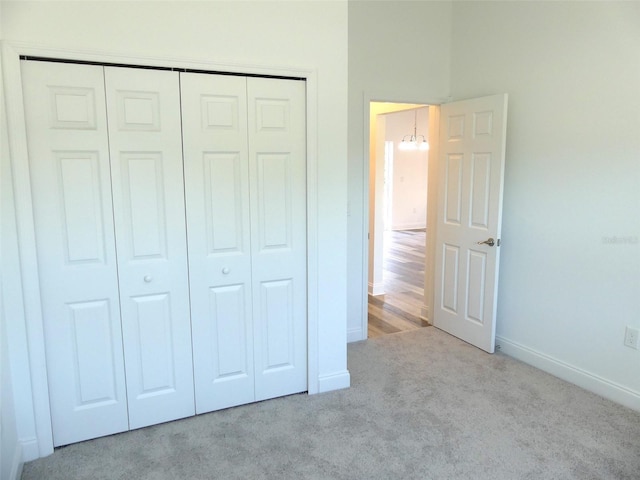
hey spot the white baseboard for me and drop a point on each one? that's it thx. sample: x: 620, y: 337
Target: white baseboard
x: 409, y: 226
x: 593, y: 383
x: 424, y: 314
x: 376, y: 289
x: 335, y: 381
x: 355, y: 335
x: 30, y: 449
x: 16, y: 464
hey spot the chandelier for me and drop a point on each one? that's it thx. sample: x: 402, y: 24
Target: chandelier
x: 413, y: 141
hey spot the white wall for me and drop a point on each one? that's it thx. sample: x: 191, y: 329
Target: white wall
x: 570, y: 265
x: 409, y: 199
x: 398, y: 51
x: 294, y: 35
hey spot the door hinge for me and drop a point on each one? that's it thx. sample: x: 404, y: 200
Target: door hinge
x: 498, y: 243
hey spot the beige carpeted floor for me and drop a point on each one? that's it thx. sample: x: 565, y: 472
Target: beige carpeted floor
x: 423, y: 405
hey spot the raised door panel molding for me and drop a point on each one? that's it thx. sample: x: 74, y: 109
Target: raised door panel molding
x: 94, y: 365
x: 82, y: 199
x: 143, y: 201
x: 73, y: 108
x: 274, y: 213
x: 224, y: 203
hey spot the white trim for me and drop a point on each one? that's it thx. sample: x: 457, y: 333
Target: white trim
x: 102, y: 56
x: 355, y: 335
x: 432, y: 212
x: 364, y: 301
x: 335, y: 381
x: 424, y: 313
x: 24, y: 211
x: 582, y: 378
x: 409, y: 226
x: 17, y: 462
x: 313, y: 338
x: 30, y: 449
x: 27, y: 247
x: 376, y: 289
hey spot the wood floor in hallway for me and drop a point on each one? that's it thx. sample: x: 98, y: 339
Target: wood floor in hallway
x: 403, y: 276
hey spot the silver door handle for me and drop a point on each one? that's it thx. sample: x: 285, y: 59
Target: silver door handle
x: 489, y: 241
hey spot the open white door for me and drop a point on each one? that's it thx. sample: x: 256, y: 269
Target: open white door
x: 470, y: 180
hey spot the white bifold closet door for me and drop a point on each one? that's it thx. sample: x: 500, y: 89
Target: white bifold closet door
x: 145, y: 145
x: 71, y: 191
x: 245, y: 177
x: 142, y: 326
x: 116, y: 319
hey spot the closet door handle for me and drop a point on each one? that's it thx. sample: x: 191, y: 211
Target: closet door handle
x: 226, y: 270
x: 147, y: 278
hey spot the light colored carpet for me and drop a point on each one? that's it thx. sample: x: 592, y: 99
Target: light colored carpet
x: 423, y: 405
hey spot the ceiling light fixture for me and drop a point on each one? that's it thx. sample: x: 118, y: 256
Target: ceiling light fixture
x: 414, y: 142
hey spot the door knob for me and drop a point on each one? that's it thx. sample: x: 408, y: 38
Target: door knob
x: 489, y: 241
x: 225, y: 270
x: 147, y: 278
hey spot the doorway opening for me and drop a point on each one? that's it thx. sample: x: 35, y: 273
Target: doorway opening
x: 398, y: 182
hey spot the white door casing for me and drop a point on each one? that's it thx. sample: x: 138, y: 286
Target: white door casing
x: 277, y: 178
x: 214, y: 110
x: 71, y: 192
x: 143, y: 109
x: 25, y: 230
x: 470, y: 189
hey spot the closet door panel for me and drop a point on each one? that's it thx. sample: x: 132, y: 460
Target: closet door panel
x: 216, y: 181
x: 71, y: 192
x: 143, y: 108
x: 277, y: 165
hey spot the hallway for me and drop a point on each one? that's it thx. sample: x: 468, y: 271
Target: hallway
x: 399, y: 308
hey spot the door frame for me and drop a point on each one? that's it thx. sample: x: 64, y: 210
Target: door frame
x: 433, y: 135
x: 22, y: 207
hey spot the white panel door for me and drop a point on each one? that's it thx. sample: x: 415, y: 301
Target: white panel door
x: 214, y: 110
x: 471, y: 174
x: 143, y: 108
x: 277, y: 172
x: 69, y: 165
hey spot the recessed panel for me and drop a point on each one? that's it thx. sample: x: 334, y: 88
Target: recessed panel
x: 476, y: 278
x: 482, y: 124
x: 272, y: 115
x: 138, y: 111
x: 277, y: 317
x: 223, y: 197
x: 450, y: 265
x: 92, y: 341
x: 155, y: 344
x: 219, y: 112
x: 455, y: 128
x: 229, y: 343
x: 480, y: 178
x: 453, y: 189
x: 144, y: 203
x: 73, y: 108
x: 274, y: 201
x: 81, y: 193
